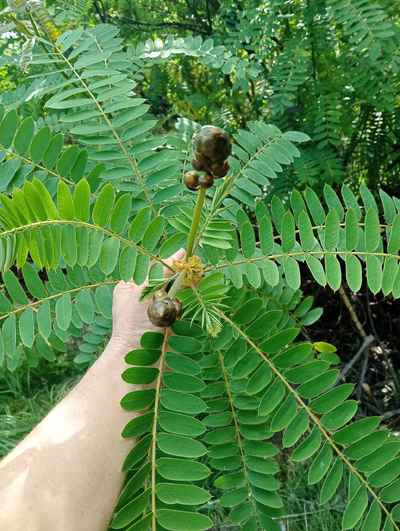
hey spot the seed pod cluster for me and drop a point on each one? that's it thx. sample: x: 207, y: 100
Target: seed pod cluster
x: 164, y: 310
x: 211, y: 146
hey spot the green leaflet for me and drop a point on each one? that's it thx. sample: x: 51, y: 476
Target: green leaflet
x: 104, y: 203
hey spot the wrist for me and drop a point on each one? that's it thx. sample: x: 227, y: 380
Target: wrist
x: 124, y: 344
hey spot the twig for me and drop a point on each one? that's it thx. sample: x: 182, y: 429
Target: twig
x: 362, y: 376
x: 390, y: 414
x: 352, y: 312
x: 366, y: 343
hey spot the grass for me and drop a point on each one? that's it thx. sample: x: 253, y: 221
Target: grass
x: 303, y: 511
x: 26, y: 396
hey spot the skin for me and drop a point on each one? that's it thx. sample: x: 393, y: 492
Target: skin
x: 66, y: 474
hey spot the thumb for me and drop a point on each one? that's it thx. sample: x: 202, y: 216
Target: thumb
x: 179, y: 255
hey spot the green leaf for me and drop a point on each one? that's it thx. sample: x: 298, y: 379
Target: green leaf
x: 316, y: 270
x: 14, y: 288
x: 182, y: 402
x: 65, y: 201
x: 394, y: 239
x: 386, y: 474
x: 353, y: 273
x: 40, y: 143
x: 328, y: 401
x: 130, y: 511
x: 183, y: 520
x: 8, y: 126
x: 184, y: 494
x: 82, y: 200
x: 288, y: 234
x: 333, y: 272
x: 247, y: 236
x: 44, y: 319
x: 139, y: 425
x: 24, y: 135
x: 139, y: 224
x: 373, y: 519
x: 64, y: 311
x: 138, y: 400
x: 331, y: 482
x: 127, y: 263
x: 357, y: 430
x: 308, y: 447
x: 351, y: 230
x: 181, y: 424
x: 27, y: 327
x: 339, y: 416
x: 272, y: 398
x: 319, y: 384
x: 374, y: 274
x: 175, y: 469
x: 279, y: 340
x: 372, y: 230
x: 355, y: 509
x: 296, y: 429
x: 120, y: 213
x: 285, y: 414
x: 332, y: 230
x: 307, y: 238
x: 292, y: 272
x: 179, y: 446
x: 140, y: 375
x: 109, y: 255
x: 265, y: 228
x: 153, y: 233
x: 367, y: 445
x: 103, y: 207
x: 319, y: 467
x: 391, y: 493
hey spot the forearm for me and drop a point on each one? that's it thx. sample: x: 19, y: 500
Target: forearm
x: 66, y: 474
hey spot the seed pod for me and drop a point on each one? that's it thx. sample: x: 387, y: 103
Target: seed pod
x: 219, y: 169
x: 197, y: 164
x: 178, y: 306
x: 163, y: 312
x: 206, y: 181
x: 191, y: 180
x: 213, y: 143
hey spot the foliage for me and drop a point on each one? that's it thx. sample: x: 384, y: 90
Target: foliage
x: 92, y: 193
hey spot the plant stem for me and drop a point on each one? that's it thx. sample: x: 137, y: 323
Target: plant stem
x: 195, y: 222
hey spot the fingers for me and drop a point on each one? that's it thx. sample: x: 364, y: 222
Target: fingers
x: 125, y: 290
x: 179, y: 255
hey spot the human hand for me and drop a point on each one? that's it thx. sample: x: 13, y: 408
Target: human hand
x: 130, y: 318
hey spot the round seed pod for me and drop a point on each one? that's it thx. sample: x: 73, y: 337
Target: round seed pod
x: 213, y: 143
x: 191, y: 180
x: 206, y: 181
x: 197, y: 164
x: 219, y: 169
x: 163, y: 312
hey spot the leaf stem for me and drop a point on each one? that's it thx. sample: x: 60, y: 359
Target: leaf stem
x: 195, y: 222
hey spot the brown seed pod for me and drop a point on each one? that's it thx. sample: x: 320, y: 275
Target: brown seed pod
x: 179, y: 309
x: 163, y: 312
x: 191, y: 180
x: 160, y: 294
x: 197, y: 164
x: 219, y: 169
x: 213, y: 143
x: 206, y: 181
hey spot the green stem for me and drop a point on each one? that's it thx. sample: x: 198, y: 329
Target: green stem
x: 177, y: 285
x: 195, y: 222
